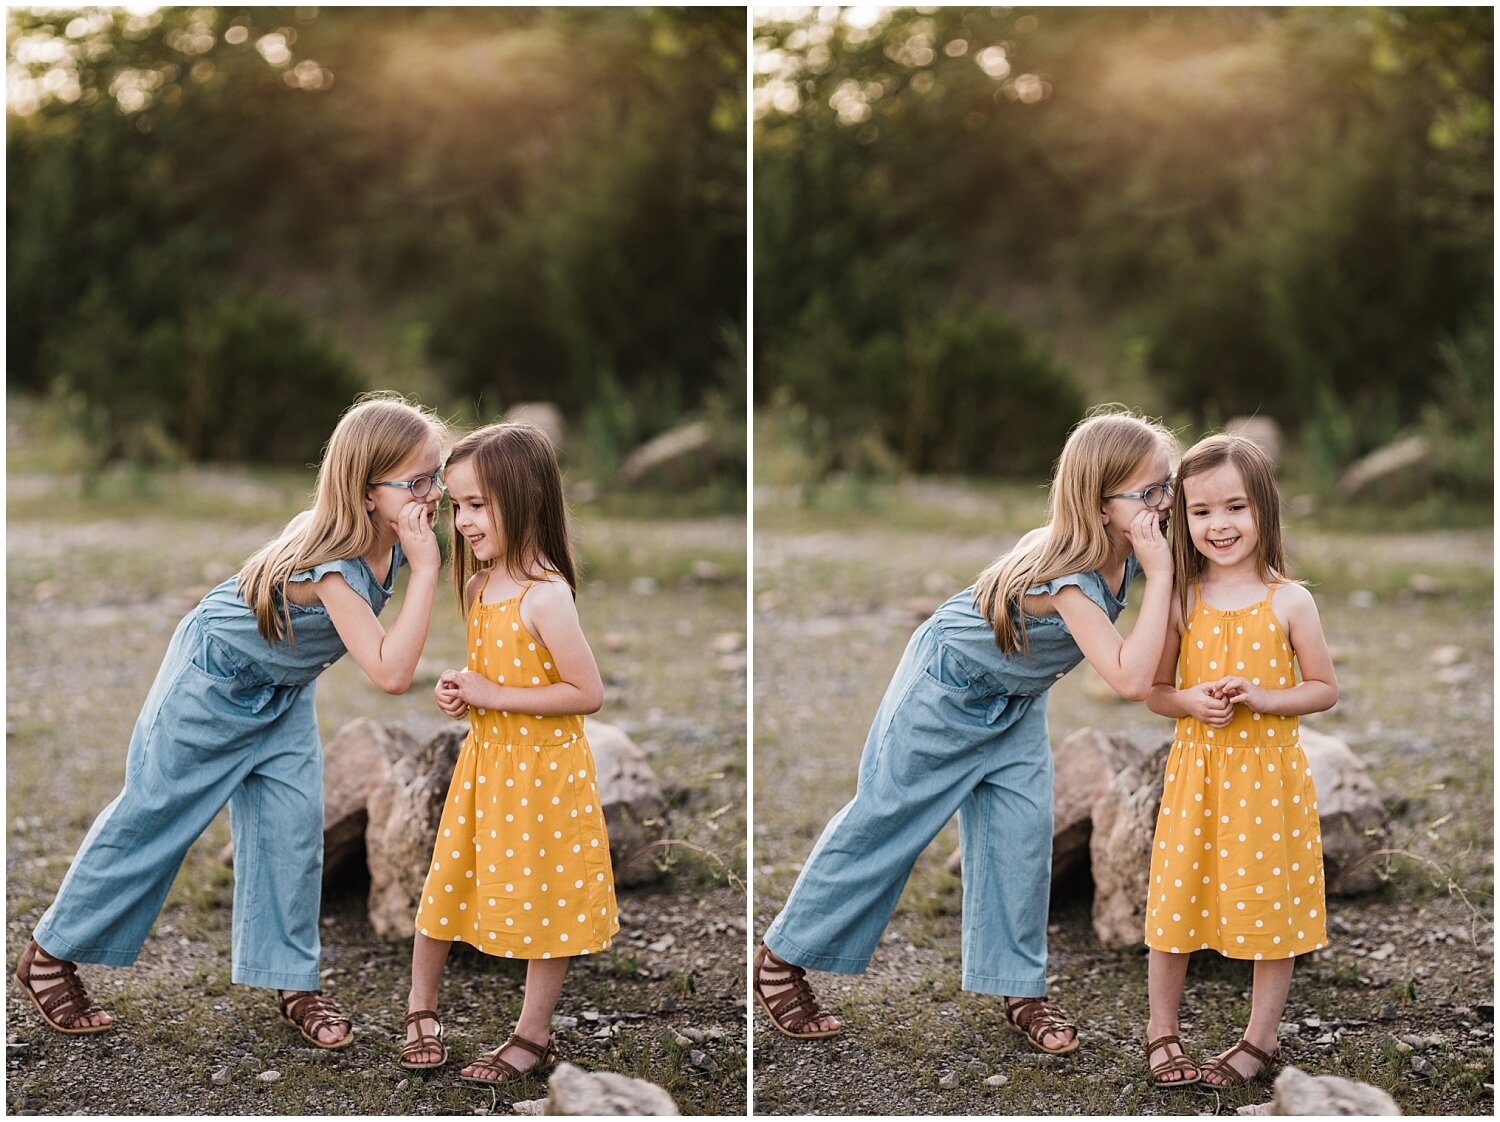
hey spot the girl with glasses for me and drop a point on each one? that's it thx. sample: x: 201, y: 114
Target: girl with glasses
x: 230, y: 720
x: 963, y: 727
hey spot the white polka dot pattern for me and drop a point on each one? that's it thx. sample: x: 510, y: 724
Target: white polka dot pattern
x: 1236, y: 861
x: 489, y: 887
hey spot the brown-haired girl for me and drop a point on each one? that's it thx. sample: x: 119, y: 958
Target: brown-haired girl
x: 1236, y: 862
x: 521, y: 865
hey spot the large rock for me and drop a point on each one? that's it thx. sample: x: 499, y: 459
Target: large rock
x: 405, y: 807
x: 355, y: 762
x: 1351, y: 816
x: 1401, y: 469
x: 404, y: 813
x: 544, y: 415
x: 1081, y: 766
x: 1120, y: 847
x: 681, y: 456
x: 1263, y: 430
x: 635, y: 809
x: 604, y: 1094
x: 1297, y: 1093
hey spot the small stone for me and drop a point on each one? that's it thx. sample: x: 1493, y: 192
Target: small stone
x: 644, y: 586
x: 1423, y: 585
x: 603, y: 1033
x: 1445, y: 656
x: 682, y: 1041
x: 700, y: 1061
x: 559, y: 1022
x: 270, y: 1076
x: 1289, y: 1028
x: 1421, y: 1067
x: 590, y: 1015
x: 948, y: 1079
x: 728, y: 642
x: 400, y: 1087
x: 1383, y: 952
x: 1361, y: 598
x: 1252, y: 1109
x: 997, y: 1080
x: 709, y: 572
x: 664, y: 943
x: 529, y: 1106
x: 693, y: 1034
x: 221, y: 1077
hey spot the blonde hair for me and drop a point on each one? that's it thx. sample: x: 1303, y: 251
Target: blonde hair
x: 1259, y: 475
x: 371, y: 440
x: 1101, y: 454
x: 516, y: 469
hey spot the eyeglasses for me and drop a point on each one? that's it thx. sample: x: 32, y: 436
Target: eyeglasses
x: 1153, y: 497
x: 420, y: 487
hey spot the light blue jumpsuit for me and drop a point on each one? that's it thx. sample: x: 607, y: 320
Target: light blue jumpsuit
x: 962, y: 728
x: 229, y: 719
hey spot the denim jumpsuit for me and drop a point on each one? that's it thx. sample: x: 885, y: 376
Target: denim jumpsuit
x: 229, y: 719
x: 962, y: 728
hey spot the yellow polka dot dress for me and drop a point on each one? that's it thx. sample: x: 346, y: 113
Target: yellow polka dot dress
x: 1237, y: 862
x: 521, y: 866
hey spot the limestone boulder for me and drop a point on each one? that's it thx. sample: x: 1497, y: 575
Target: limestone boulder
x: 1400, y: 470
x: 681, y: 456
x: 1263, y: 430
x: 1081, y: 766
x: 1330, y: 1096
x: 604, y: 1094
x: 1120, y: 847
x: 1351, y: 815
x: 405, y: 806
x: 355, y: 762
x: 544, y: 415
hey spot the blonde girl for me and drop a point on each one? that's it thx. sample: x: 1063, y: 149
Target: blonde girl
x: 1236, y: 865
x: 230, y: 720
x: 963, y: 727
x: 521, y: 864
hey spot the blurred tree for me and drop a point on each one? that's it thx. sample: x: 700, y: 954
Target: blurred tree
x: 550, y: 201
x: 1282, y: 210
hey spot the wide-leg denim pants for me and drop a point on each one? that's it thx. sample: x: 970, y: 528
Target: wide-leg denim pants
x: 207, y: 737
x: 937, y: 746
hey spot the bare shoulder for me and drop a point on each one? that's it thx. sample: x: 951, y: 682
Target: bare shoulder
x: 551, y: 595
x: 1292, y: 599
x: 471, y: 589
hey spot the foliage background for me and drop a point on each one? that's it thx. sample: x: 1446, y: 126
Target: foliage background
x: 971, y: 222
x: 223, y: 222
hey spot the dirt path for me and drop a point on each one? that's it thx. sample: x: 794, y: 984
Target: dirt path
x: 1402, y: 998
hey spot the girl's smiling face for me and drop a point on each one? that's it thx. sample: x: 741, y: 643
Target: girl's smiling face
x: 1220, y: 518
x: 473, y: 515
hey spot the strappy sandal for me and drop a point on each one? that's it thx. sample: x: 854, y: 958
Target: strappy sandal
x: 1171, y: 1065
x: 790, y: 1010
x: 1231, y: 1076
x: 546, y: 1056
x: 307, y: 1011
x: 62, y: 1006
x: 1035, y: 1017
x: 425, y: 1041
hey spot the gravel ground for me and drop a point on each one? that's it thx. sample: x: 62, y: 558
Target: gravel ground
x: 1403, y: 998
x: 93, y: 597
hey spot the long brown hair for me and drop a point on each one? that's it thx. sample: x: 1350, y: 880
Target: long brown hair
x: 372, y: 438
x: 516, y: 469
x: 1259, y: 474
x: 1102, y: 452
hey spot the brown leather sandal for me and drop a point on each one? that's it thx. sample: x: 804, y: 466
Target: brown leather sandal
x: 62, y: 1006
x: 790, y: 1010
x: 1171, y: 1065
x: 1035, y: 1017
x: 425, y: 1041
x: 546, y: 1056
x: 307, y: 1011
x: 1231, y: 1076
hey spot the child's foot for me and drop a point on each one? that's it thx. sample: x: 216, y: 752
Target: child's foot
x: 1172, y: 1067
x: 424, y: 1047
x: 316, y: 1017
x: 515, y: 1059
x: 1042, y: 1023
x: 1240, y: 1064
x: 783, y: 992
x: 58, y: 994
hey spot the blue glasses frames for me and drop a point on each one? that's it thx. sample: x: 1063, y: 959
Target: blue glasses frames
x: 421, y: 487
